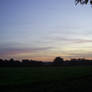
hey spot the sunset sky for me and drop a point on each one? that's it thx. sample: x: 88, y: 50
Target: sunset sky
x: 44, y: 29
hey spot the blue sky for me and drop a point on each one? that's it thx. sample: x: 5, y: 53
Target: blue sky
x: 44, y: 29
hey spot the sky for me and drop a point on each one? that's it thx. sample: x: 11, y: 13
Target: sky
x: 44, y: 29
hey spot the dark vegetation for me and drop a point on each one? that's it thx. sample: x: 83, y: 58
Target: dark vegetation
x: 58, y: 61
x: 83, y: 2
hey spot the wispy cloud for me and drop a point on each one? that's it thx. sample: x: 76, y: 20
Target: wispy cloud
x: 81, y: 54
x: 72, y: 40
x: 10, y: 51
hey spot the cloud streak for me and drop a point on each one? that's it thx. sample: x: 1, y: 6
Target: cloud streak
x: 11, y: 51
x: 73, y: 40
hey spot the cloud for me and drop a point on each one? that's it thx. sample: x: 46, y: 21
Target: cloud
x: 13, y: 51
x: 72, y: 40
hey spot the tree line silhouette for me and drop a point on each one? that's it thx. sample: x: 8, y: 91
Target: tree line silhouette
x: 58, y: 61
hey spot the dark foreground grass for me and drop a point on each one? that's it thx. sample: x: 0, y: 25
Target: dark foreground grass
x: 46, y: 79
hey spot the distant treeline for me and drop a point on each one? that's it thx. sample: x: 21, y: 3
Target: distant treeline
x: 58, y: 61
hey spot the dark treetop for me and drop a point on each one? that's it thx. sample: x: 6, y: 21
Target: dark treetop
x: 83, y: 2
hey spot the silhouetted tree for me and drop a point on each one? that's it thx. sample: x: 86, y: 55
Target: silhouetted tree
x: 26, y: 61
x: 83, y: 2
x: 58, y: 60
x: 1, y: 62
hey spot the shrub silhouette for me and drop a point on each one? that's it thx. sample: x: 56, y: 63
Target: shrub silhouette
x: 58, y: 60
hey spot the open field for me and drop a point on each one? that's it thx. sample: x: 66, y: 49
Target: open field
x: 46, y: 79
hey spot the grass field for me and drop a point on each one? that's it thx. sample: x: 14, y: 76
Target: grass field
x: 46, y: 79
